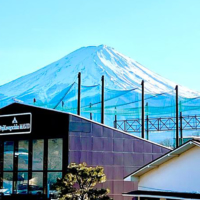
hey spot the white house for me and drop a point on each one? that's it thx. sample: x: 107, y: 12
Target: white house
x: 175, y: 175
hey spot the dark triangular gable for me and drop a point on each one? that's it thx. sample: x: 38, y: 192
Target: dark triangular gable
x: 45, y: 122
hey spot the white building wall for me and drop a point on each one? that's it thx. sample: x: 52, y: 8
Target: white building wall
x: 180, y: 174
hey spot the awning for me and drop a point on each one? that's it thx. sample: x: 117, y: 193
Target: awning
x: 162, y: 194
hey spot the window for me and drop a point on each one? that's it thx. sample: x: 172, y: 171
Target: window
x: 18, y: 177
x: 8, y: 156
x: 55, y: 154
x: 22, y: 155
x: 38, y: 154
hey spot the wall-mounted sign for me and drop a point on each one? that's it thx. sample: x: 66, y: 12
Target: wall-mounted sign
x: 15, y: 124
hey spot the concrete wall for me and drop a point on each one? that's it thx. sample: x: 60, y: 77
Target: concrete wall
x: 180, y: 174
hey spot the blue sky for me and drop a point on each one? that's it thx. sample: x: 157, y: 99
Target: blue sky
x: 163, y: 35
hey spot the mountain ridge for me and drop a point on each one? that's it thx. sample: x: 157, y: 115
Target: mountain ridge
x: 120, y: 71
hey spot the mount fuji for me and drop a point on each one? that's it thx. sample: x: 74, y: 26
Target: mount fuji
x: 120, y: 71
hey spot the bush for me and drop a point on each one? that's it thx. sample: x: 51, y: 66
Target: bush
x: 79, y: 183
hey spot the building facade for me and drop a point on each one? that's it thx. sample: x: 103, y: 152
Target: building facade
x: 37, y: 145
x: 174, y: 175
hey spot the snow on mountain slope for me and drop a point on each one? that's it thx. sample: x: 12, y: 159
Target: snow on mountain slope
x: 121, y: 72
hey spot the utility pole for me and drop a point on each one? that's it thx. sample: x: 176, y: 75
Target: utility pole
x: 147, y: 122
x: 79, y: 94
x: 102, y: 100
x: 177, y: 126
x: 143, y: 124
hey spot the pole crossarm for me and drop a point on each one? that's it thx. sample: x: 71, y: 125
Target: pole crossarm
x: 134, y: 125
x: 189, y: 122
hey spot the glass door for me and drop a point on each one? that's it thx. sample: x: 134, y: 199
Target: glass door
x: 55, y: 164
x: 15, y: 167
x: 31, y: 166
x: 36, y: 182
x: 21, y: 167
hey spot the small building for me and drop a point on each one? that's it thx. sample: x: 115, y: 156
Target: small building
x: 175, y: 175
x: 37, y: 144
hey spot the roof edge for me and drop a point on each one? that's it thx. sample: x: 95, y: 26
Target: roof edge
x: 50, y: 109
x: 170, y: 154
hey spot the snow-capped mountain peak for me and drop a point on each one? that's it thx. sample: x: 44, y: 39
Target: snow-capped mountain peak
x: 120, y: 71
